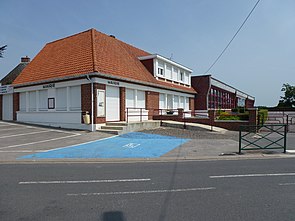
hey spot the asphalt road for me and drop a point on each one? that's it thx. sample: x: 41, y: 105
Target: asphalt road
x: 196, y: 190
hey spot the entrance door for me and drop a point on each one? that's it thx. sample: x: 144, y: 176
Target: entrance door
x: 112, y: 103
x: 7, y: 107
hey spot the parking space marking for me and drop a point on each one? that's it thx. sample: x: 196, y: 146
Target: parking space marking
x: 18, y: 128
x: 253, y: 175
x: 17, y: 135
x: 42, y: 141
x: 143, y: 192
x: 83, y: 181
x: 130, y: 145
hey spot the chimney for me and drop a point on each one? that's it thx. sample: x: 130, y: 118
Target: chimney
x: 25, y: 59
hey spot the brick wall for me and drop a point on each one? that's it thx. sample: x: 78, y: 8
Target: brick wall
x: 86, y: 101
x: 201, y: 85
x: 229, y: 125
x: 122, y: 103
x: 15, y: 105
x: 192, y: 104
x: 149, y: 64
x: 249, y: 103
x: 151, y: 102
x: 0, y: 107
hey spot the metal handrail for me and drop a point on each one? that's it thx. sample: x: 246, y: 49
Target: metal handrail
x: 136, y: 115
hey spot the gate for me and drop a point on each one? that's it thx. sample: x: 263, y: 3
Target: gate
x: 268, y: 136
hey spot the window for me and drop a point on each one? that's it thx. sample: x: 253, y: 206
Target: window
x: 22, y: 97
x: 32, y: 101
x: 61, y: 99
x: 135, y: 98
x: 162, y: 99
x: 43, y: 99
x: 169, y: 101
x: 75, y: 98
x: 186, y: 107
x: 186, y: 78
x: 175, y: 73
x: 168, y: 71
x: 181, y: 76
x: 161, y: 71
x: 130, y: 98
x: 140, y: 102
x: 176, y: 101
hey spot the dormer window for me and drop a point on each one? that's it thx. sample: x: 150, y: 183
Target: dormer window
x: 165, y: 69
x: 161, y: 71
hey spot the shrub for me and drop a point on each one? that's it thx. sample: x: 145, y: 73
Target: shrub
x: 228, y: 117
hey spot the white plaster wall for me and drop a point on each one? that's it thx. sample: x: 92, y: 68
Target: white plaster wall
x: 50, y: 117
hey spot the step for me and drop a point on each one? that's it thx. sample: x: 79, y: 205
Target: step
x: 116, y: 124
x: 113, y: 127
x: 115, y: 132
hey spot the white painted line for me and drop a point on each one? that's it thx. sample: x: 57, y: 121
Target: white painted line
x: 62, y: 131
x: 142, y: 192
x: 20, y: 151
x: 12, y: 128
x: 6, y: 123
x: 59, y: 148
x: 17, y: 135
x: 253, y: 175
x: 37, y: 142
x: 290, y: 151
x: 84, y: 181
x: 286, y: 184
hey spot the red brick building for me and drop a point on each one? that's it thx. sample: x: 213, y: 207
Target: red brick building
x: 215, y: 94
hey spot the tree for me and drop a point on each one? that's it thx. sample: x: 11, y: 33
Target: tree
x: 288, y: 100
x: 2, y: 49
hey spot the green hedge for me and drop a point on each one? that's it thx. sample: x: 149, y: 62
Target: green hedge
x: 228, y: 116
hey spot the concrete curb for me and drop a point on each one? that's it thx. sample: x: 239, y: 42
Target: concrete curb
x: 153, y: 160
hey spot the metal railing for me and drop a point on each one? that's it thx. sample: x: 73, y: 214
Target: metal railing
x: 267, y: 136
x: 281, y: 117
x: 130, y: 113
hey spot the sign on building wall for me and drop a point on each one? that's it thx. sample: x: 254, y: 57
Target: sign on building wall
x: 6, y: 89
x: 100, y: 103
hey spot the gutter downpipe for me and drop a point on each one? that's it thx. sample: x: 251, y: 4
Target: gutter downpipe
x: 92, y: 100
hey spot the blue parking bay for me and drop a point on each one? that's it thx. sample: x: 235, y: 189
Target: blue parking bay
x: 130, y: 145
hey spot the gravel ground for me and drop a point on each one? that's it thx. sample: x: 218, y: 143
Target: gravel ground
x: 194, y: 134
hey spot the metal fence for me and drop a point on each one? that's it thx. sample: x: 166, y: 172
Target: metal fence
x: 265, y: 137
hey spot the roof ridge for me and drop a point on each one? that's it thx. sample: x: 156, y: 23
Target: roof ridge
x: 93, y: 50
x: 61, y: 39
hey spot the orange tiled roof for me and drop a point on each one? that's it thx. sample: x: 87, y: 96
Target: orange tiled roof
x: 88, y: 52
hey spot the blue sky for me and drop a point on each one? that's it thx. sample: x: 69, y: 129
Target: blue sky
x: 194, y: 32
